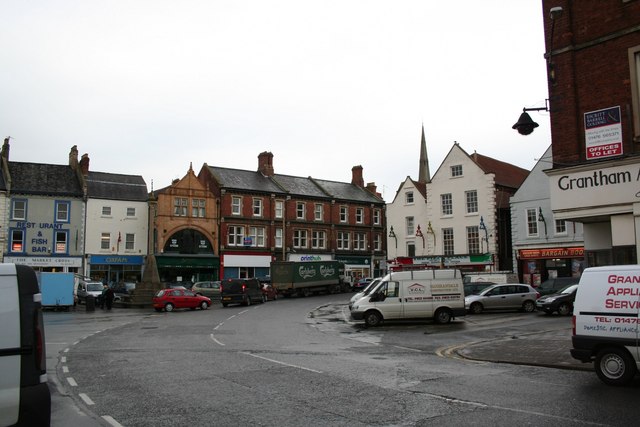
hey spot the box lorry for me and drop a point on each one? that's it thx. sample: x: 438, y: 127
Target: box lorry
x: 291, y: 278
x: 418, y: 294
x: 606, y: 318
x: 58, y: 290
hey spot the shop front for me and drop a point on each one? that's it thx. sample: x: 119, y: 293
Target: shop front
x: 188, y: 268
x: 537, y: 265
x: 356, y: 267
x: 48, y: 264
x: 244, y: 265
x: 466, y: 263
x: 114, y: 269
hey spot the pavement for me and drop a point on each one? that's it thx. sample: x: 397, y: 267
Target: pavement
x: 546, y: 348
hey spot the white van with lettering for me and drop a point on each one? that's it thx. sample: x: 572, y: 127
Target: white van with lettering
x: 606, y: 316
x: 419, y: 294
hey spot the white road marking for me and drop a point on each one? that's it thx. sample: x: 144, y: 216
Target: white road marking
x: 72, y: 382
x: 65, y: 369
x: 111, y: 421
x: 63, y: 359
x: 218, y: 325
x: 86, y: 399
x: 407, y: 348
x: 66, y: 350
x: 216, y: 341
x: 281, y: 363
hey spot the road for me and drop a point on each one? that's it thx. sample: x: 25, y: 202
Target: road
x: 299, y: 362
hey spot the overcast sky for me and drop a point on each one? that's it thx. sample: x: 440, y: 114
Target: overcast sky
x: 148, y: 87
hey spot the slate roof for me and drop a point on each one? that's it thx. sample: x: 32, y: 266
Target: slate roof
x: 102, y: 185
x: 292, y: 185
x: 506, y: 174
x: 44, y: 179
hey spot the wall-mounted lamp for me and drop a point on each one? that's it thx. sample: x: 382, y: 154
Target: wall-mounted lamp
x: 419, y: 234
x: 482, y: 226
x: 525, y: 125
x: 430, y: 231
x: 393, y: 234
x: 542, y: 220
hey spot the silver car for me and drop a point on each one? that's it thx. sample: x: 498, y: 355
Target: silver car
x: 511, y: 296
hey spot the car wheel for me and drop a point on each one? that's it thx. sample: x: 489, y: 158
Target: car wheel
x: 372, y: 318
x: 168, y: 307
x: 476, y: 308
x: 443, y: 316
x: 564, y: 309
x: 204, y: 305
x: 615, y: 366
x: 529, y: 306
x: 224, y: 304
x: 248, y: 302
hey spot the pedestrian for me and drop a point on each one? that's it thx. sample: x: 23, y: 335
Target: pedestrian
x: 108, y: 298
x: 101, y: 298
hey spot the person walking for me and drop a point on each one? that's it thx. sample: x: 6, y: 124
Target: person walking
x: 108, y: 298
x: 101, y: 298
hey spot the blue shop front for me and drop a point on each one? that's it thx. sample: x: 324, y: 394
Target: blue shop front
x: 113, y: 269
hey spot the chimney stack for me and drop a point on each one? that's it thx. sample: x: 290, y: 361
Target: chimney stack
x: 5, y: 148
x: 265, y: 163
x: 84, y: 164
x: 356, y: 176
x: 73, y: 157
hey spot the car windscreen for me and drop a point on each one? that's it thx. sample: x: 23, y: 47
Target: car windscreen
x: 94, y: 287
x: 370, y: 287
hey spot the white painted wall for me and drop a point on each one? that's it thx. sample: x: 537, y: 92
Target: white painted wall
x: 397, y: 212
x: 117, y: 222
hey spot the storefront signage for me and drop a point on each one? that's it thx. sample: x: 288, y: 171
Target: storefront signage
x: 436, y: 261
x: 45, y: 261
x: 308, y: 257
x: 548, y: 253
x: 603, y: 133
x: 117, y: 259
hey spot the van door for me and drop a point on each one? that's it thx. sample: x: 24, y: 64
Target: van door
x: 417, y: 299
x: 391, y: 306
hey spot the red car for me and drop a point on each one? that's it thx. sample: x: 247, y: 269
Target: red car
x: 269, y: 293
x: 168, y: 299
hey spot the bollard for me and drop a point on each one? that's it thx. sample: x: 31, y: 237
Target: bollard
x: 91, y: 303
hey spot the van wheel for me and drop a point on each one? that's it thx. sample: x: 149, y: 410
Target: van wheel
x: 443, y: 316
x: 615, y: 366
x: 564, y: 309
x: 529, y: 306
x: 372, y: 318
x: 476, y: 308
x: 168, y: 307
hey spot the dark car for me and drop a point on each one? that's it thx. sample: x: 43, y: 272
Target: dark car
x: 562, y: 302
x: 172, y: 298
x: 555, y: 285
x: 360, y: 284
x: 269, y: 292
x: 240, y: 291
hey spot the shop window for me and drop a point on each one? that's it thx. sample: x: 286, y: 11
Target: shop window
x: 61, y: 238
x: 18, y: 209
x: 17, y: 241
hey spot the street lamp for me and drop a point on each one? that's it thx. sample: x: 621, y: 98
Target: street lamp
x: 486, y: 232
x: 542, y: 220
x: 392, y: 234
x: 419, y: 234
x: 525, y: 125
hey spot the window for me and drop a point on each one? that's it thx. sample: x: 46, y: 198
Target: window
x: 447, y: 241
x: 61, y: 242
x: 318, y: 212
x: 376, y: 217
x: 129, y: 241
x: 17, y: 241
x: 236, y: 205
x: 473, y: 240
x: 299, y: 238
x: 300, y: 210
x: 561, y: 226
x: 278, y: 237
x: 235, y: 235
x: 377, y: 242
x: 19, y: 209
x: 343, y: 214
x: 471, y: 198
x: 634, y: 65
x: 408, y: 197
x: 106, y: 211
x: 62, y: 211
x: 257, y: 207
x: 180, y: 206
x: 343, y: 240
x: 257, y: 236
x: 391, y: 289
x: 131, y: 212
x: 359, y: 215
x: 359, y: 242
x: 279, y: 209
x: 410, y: 226
x: 411, y: 249
x: 197, y: 208
x: 105, y: 241
x: 532, y: 222
x: 446, y: 203
x: 456, y: 170
x: 318, y: 240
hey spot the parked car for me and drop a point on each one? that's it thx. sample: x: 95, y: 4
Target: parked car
x: 209, y: 289
x: 553, y: 286
x: 364, y: 292
x: 362, y: 283
x: 170, y: 299
x: 89, y: 288
x: 269, y: 292
x: 562, y: 302
x: 240, y: 291
x: 474, y: 288
x: 512, y: 296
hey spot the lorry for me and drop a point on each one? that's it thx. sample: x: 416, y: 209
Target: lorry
x: 418, y: 294
x: 291, y: 278
x: 58, y: 290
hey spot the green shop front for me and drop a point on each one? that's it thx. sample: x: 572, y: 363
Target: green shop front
x: 360, y: 266
x: 188, y: 268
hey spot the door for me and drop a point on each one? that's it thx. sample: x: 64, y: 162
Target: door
x: 391, y: 307
x: 417, y: 299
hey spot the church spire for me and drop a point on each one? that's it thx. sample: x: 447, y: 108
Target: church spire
x: 423, y: 172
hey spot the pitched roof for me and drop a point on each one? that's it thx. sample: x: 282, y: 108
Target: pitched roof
x: 239, y: 179
x: 44, y: 179
x: 506, y: 174
x: 102, y: 185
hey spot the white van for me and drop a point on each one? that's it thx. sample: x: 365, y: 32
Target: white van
x: 420, y: 294
x: 606, y: 316
x: 25, y: 398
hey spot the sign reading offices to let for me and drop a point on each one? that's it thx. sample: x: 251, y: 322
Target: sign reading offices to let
x: 603, y: 133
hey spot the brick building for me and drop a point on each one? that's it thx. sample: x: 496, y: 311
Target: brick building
x: 593, y: 58
x: 266, y: 216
